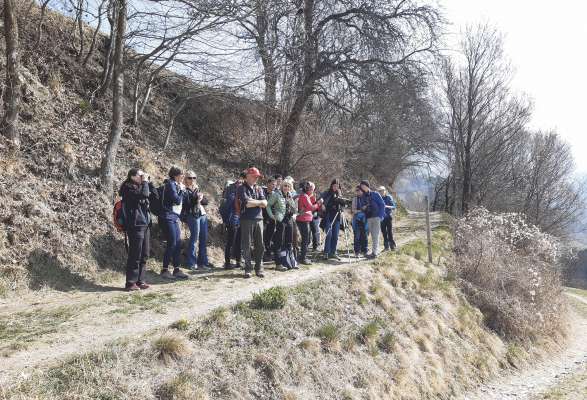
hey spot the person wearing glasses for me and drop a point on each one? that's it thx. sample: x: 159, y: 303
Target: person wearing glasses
x: 194, y: 215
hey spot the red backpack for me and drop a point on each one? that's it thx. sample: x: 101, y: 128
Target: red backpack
x: 118, y: 216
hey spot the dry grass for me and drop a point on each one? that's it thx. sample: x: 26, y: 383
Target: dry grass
x: 181, y: 388
x: 171, y: 346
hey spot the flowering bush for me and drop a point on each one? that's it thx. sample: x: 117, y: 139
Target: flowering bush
x: 510, y: 270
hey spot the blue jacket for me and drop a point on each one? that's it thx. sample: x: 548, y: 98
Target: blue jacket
x: 375, y: 205
x: 227, y: 209
x: 172, y: 199
x: 389, y: 201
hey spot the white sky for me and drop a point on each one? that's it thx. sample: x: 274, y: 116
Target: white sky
x: 546, y: 43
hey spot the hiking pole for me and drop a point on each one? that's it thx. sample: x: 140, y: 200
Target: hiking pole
x: 346, y: 237
x: 330, y: 228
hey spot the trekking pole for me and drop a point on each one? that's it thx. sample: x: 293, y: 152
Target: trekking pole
x: 331, y: 225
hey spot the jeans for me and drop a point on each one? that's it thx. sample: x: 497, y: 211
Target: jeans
x: 387, y: 229
x: 252, y: 235
x: 232, y: 246
x: 360, y: 242
x: 198, y: 232
x: 172, y: 234
x: 304, y: 228
x: 315, y: 228
x: 331, y: 240
x: 138, y: 252
x: 374, y: 230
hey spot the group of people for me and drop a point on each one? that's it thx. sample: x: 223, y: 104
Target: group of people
x: 275, y: 222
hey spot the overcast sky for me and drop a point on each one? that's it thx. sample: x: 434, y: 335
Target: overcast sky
x: 547, y: 44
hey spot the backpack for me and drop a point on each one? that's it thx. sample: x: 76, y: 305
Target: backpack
x: 118, y: 217
x: 156, y: 201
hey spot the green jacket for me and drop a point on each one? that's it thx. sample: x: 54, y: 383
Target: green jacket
x: 276, y: 206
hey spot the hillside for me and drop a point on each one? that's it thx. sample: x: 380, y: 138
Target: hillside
x: 55, y: 227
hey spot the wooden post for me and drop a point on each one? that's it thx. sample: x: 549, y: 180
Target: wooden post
x: 428, y: 231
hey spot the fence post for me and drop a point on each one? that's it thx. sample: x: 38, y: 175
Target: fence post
x: 428, y: 231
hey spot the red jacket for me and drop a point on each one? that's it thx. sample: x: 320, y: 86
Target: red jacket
x: 306, y: 206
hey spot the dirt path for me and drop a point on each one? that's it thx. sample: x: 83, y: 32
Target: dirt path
x: 530, y: 384
x: 73, y: 323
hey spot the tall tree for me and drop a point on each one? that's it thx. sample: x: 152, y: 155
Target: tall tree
x: 348, y: 41
x: 109, y: 157
x: 13, y: 80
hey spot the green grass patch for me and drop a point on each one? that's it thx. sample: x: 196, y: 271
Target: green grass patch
x: 137, y: 302
x: 271, y: 299
x: 328, y: 333
x: 370, y: 331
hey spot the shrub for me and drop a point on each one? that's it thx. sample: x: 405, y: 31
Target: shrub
x: 509, y: 270
x: 270, y: 299
x: 181, y: 388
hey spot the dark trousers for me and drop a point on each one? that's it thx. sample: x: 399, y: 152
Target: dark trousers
x: 139, y: 241
x: 283, y: 237
x: 172, y: 233
x: 252, y: 236
x: 315, y: 228
x: 268, y: 233
x: 232, y: 245
x: 360, y: 236
x: 304, y: 228
x: 386, y: 228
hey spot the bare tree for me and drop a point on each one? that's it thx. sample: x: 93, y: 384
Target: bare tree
x: 347, y: 39
x: 483, y: 117
x: 13, y: 79
x: 109, y: 157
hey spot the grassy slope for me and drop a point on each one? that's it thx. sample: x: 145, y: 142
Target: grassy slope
x: 395, y: 329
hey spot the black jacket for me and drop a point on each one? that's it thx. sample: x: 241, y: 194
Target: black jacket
x: 135, y: 200
x: 191, y: 203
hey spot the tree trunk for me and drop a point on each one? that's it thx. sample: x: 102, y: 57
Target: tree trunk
x: 107, y: 72
x: 109, y: 158
x: 13, y: 82
x: 172, y: 117
x: 41, y: 19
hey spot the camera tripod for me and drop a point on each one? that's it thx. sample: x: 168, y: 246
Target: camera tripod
x: 345, y: 225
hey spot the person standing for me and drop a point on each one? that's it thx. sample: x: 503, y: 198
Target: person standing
x: 360, y: 242
x: 268, y: 222
x: 280, y: 207
x: 231, y: 221
x: 374, y: 209
x: 332, y: 210
x: 137, y: 223
x: 315, y: 226
x: 386, y: 223
x: 171, y: 205
x: 194, y: 215
x: 252, y: 201
x: 306, y: 206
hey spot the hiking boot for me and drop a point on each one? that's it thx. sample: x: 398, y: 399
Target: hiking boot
x: 207, y: 268
x: 295, y: 267
x: 260, y: 274
x: 165, y: 274
x: 306, y: 261
x: 371, y: 256
x: 280, y: 268
x: 210, y: 265
x: 143, y: 285
x: 193, y: 267
x: 228, y: 266
x: 386, y: 248
x: 335, y: 257
x: 132, y: 287
x: 248, y: 275
x: 178, y: 274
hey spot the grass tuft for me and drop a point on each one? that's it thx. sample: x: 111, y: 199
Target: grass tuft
x: 171, y: 346
x: 387, y: 342
x: 181, y: 324
x: 181, y: 388
x: 271, y: 299
x: 369, y: 331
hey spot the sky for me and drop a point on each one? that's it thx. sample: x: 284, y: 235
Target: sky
x: 546, y: 43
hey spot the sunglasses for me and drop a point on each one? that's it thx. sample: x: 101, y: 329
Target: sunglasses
x: 191, y: 177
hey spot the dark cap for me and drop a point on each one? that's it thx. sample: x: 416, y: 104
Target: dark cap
x: 366, y: 183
